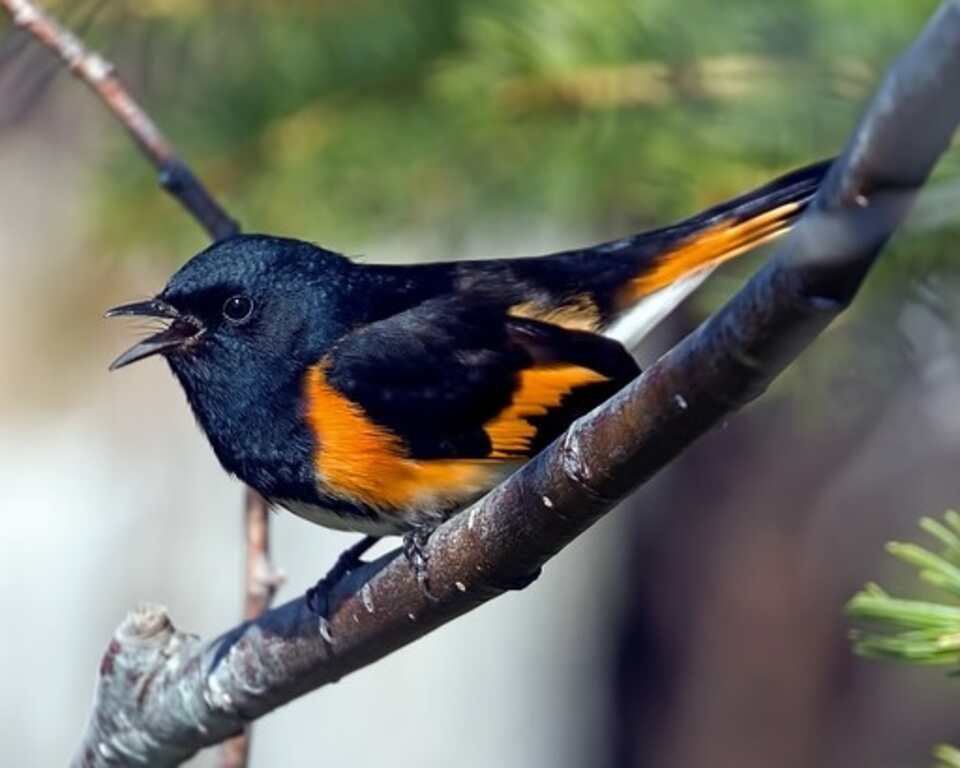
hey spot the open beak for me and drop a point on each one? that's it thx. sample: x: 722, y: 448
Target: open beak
x: 182, y: 329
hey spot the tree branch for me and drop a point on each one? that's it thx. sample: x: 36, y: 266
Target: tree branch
x: 98, y: 73
x: 163, y: 694
x: 262, y: 579
x: 262, y: 582
x: 176, y: 177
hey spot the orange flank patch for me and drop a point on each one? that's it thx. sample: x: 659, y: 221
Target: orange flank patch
x: 712, y: 247
x: 539, y: 390
x: 578, y: 314
x: 363, y: 461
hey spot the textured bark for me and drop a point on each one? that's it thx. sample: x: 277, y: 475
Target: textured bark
x: 163, y: 694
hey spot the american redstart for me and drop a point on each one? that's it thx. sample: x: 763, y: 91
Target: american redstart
x: 382, y: 399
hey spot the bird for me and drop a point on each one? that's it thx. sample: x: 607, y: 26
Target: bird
x: 381, y: 399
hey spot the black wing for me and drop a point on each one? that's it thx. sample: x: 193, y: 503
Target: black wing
x: 459, y: 377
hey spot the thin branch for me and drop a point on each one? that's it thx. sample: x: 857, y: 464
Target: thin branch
x: 98, y: 73
x: 262, y: 579
x: 163, y: 694
x: 176, y: 177
x: 262, y: 582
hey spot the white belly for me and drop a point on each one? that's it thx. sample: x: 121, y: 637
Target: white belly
x: 383, y: 525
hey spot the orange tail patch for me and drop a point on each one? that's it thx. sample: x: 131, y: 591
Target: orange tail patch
x: 711, y: 247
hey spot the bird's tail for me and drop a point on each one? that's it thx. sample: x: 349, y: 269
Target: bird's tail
x: 670, y: 263
x: 625, y: 287
x: 727, y: 230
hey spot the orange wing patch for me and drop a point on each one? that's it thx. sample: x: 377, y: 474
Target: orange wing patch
x: 359, y: 459
x: 368, y: 463
x: 712, y: 247
x: 578, y: 314
x: 540, y: 389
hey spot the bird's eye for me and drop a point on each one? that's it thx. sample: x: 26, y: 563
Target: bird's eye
x: 237, y: 309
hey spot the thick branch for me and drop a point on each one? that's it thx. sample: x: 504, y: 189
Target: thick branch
x: 98, y: 73
x: 163, y: 694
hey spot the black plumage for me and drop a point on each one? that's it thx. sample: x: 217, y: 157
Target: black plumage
x: 437, y: 372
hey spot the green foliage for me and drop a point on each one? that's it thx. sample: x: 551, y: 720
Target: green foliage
x: 948, y: 756
x: 917, y: 631
x: 346, y: 122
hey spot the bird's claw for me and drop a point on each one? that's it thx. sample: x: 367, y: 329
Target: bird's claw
x: 414, y: 551
x: 318, y: 596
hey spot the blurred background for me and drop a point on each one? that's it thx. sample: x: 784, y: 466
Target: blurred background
x: 699, y: 624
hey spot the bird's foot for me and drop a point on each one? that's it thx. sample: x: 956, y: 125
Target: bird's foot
x: 414, y: 550
x: 318, y: 596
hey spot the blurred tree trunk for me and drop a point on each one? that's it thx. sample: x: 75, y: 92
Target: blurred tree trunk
x: 731, y: 648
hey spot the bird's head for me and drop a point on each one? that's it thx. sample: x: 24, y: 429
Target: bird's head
x: 242, y: 321
x: 240, y: 301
